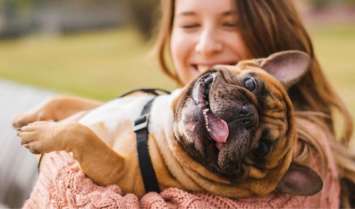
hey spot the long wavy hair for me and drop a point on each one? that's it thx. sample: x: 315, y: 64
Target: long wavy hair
x: 269, y: 26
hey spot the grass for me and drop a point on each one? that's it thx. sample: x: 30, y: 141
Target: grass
x: 335, y: 47
x: 98, y: 65
x: 103, y: 65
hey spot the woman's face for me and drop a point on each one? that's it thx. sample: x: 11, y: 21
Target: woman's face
x: 205, y: 33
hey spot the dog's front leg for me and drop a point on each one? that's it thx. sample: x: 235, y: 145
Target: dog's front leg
x: 56, y: 108
x: 97, y: 160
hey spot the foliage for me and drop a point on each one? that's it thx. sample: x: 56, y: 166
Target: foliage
x: 318, y: 4
x: 351, y: 2
x: 321, y: 3
x: 17, y: 4
x: 144, y: 15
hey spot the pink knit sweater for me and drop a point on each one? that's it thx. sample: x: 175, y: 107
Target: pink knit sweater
x: 61, y: 184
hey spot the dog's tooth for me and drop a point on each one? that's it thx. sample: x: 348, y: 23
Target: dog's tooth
x: 202, y: 68
x: 206, y: 119
x: 208, y: 129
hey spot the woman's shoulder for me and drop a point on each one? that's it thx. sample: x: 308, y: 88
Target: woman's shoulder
x: 314, y: 125
x: 317, y: 139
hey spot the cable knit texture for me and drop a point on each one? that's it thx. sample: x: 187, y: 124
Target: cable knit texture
x: 61, y: 184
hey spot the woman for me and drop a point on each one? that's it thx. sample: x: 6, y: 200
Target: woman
x: 194, y: 35
x: 197, y: 34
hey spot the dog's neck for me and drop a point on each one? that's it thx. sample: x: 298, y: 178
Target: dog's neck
x: 162, y: 127
x: 162, y: 115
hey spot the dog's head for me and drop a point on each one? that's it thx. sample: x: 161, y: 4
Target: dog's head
x: 237, y: 121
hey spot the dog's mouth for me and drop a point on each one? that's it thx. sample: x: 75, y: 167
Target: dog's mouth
x: 216, y: 128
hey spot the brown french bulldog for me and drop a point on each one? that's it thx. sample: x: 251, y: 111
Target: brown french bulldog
x: 230, y: 132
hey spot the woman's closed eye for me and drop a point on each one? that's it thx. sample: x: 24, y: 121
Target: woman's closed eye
x: 190, y: 26
x: 230, y: 25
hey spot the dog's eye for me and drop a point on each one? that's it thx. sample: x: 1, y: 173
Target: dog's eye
x: 250, y: 83
x: 263, y: 149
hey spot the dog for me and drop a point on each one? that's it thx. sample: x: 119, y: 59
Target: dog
x: 230, y: 132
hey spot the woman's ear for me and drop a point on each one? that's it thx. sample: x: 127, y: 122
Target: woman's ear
x: 287, y: 66
x: 300, y: 180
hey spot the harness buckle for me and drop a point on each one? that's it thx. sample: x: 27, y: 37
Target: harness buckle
x: 141, y: 122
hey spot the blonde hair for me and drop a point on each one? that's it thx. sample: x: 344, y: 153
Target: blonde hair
x: 271, y: 26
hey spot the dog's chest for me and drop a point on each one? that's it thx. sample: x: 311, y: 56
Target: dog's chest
x: 114, y: 119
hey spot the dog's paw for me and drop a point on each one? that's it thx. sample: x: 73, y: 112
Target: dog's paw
x: 42, y: 112
x: 24, y: 119
x: 41, y: 136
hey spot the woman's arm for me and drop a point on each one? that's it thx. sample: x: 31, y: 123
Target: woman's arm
x: 56, y: 108
x: 96, y: 158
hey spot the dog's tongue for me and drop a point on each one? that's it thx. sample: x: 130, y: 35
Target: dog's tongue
x: 217, y: 128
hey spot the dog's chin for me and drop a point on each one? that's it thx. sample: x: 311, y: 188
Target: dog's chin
x: 224, y: 160
x: 217, y: 153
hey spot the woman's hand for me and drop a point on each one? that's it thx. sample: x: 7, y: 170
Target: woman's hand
x: 55, y: 109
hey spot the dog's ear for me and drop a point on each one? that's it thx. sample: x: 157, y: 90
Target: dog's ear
x: 300, y: 180
x: 287, y: 66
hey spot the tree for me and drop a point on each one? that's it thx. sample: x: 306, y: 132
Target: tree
x: 143, y: 15
x: 319, y: 4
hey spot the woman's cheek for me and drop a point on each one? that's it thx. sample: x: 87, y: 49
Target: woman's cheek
x: 180, y: 44
x: 181, y: 52
x: 237, y: 45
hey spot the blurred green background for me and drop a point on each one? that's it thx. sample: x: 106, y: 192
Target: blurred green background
x: 46, y: 45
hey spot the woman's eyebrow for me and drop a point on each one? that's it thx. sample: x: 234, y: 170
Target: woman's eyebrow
x: 229, y: 13
x: 186, y: 13
x: 192, y: 13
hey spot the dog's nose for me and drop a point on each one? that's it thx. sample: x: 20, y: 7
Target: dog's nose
x: 244, y: 110
x: 248, y: 115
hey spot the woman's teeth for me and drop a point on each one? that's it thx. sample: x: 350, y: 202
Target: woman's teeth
x: 204, y: 67
x: 201, y: 68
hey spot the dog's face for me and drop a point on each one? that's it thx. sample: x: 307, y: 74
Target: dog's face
x: 237, y: 121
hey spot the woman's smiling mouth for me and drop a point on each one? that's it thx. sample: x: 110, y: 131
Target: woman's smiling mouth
x: 204, y: 66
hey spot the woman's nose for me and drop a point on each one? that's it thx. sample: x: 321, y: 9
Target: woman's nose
x: 208, y: 43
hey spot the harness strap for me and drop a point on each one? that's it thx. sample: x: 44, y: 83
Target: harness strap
x: 154, y: 91
x: 141, y: 125
x: 145, y: 163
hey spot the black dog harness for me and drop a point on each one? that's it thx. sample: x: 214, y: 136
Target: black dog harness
x: 141, y: 125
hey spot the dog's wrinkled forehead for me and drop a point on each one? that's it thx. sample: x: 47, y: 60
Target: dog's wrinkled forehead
x: 252, y: 68
x: 273, y: 102
x: 269, y: 86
